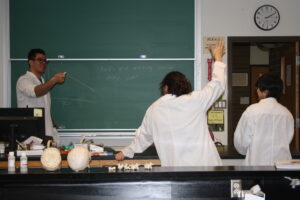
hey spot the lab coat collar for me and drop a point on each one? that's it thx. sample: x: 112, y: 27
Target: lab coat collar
x: 29, y: 73
x: 267, y: 100
x: 168, y: 96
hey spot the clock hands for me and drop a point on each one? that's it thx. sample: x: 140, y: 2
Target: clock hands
x: 270, y: 15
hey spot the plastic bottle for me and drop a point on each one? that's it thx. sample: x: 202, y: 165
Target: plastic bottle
x: 2, y: 150
x: 11, y: 161
x: 23, y: 161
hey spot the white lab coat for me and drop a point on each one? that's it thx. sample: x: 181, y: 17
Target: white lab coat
x: 264, y: 133
x: 178, y: 126
x: 26, y: 97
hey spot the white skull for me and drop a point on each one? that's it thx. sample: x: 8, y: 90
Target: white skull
x: 51, y: 159
x: 78, y: 158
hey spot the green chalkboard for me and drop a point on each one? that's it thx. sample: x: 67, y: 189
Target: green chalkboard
x: 103, y: 94
x: 106, y: 94
x: 103, y: 28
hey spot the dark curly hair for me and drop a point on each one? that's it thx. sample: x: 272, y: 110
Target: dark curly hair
x: 32, y: 53
x: 177, y: 84
x: 272, y: 83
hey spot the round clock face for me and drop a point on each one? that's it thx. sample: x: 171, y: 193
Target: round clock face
x: 266, y: 17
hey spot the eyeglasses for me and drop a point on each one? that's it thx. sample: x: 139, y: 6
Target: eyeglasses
x: 40, y: 60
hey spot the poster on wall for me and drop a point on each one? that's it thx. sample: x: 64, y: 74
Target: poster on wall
x: 215, y: 120
x: 210, y: 41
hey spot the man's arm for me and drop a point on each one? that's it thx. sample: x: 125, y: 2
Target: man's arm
x: 290, y: 127
x: 43, y: 89
x: 26, y: 87
x: 143, y: 139
x: 243, y: 134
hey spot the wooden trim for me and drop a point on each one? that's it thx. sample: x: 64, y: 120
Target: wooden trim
x: 229, y: 86
x: 297, y: 91
x: 282, y: 72
x: 263, y: 39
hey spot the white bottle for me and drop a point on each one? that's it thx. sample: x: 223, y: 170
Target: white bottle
x: 23, y: 161
x: 11, y: 161
x: 2, y: 150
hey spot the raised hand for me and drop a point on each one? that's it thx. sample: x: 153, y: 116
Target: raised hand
x: 119, y: 156
x: 218, y: 51
x: 59, y: 77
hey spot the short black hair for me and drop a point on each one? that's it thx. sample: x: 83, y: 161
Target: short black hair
x: 271, y: 82
x: 177, y: 84
x: 32, y: 53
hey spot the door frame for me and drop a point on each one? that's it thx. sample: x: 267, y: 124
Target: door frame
x: 246, y: 39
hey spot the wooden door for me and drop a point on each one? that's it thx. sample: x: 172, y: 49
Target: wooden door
x: 256, y: 72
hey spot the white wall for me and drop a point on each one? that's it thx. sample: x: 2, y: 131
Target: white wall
x: 236, y: 18
x: 4, y: 53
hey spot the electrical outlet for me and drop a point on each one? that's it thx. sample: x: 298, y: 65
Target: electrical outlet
x: 235, y: 187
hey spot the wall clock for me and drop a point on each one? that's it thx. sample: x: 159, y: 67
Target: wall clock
x: 266, y: 17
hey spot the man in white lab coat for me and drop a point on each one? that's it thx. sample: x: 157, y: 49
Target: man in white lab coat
x: 33, y: 91
x: 266, y: 128
x: 177, y: 122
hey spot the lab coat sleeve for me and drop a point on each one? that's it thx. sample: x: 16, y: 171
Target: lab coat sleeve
x: 212, y: 91
x: 290, y: 128
x: 243, y: 134
x: 26, y: 87
x: 143, y: 139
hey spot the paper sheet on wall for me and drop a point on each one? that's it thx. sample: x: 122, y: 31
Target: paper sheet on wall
x: 215, y: 117
x: 210, y: 41
x: 215, y: 120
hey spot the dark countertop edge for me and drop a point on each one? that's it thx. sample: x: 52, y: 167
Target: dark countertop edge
x: 159, y: 169
x: 95, y: 175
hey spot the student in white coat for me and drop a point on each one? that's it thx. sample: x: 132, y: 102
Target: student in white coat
x: 33, y: 91
x: 177, y: 123
x: 266, y: 128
